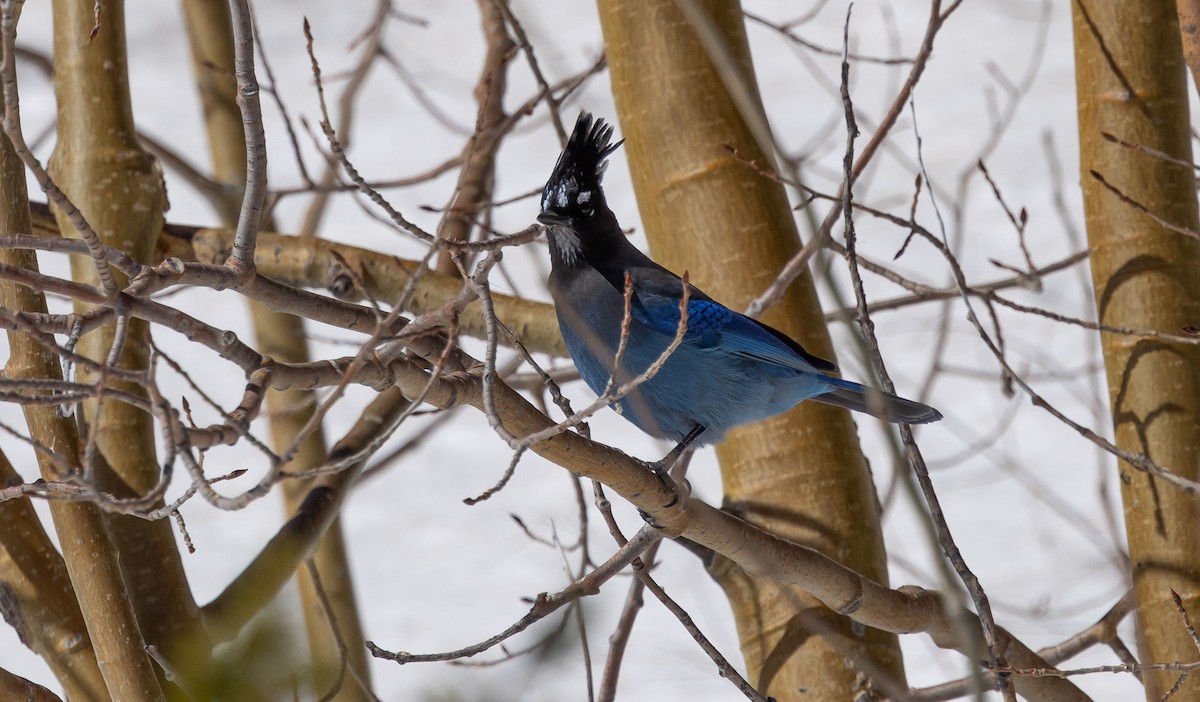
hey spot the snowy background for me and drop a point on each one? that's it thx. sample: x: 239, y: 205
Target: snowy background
x: 1031, y: 505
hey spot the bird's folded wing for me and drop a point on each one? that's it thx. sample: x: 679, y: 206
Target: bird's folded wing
x: 748, y: 337
x: 712, y: 325
x: 656, y: 295
x: 655, y: 304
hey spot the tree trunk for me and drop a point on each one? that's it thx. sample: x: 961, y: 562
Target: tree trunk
x: 37, y: 598
x: 94, y: 623
x: 97, y: 162
x: 802, y: 474
x: 1131, y: 84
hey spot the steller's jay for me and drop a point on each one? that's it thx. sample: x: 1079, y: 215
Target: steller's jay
x: 728, y: 370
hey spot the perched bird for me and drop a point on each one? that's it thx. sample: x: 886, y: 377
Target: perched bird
x: 728, y: 370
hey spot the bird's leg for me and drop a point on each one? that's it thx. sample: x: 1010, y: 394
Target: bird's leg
x: 662, y: 466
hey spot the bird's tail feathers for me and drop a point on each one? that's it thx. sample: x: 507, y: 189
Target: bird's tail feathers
x: 877, y: 403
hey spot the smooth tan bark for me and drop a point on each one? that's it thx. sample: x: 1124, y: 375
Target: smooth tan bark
x: 1189, y: 32
x: 109, y: 658
x: 38, y: 600
x: 802, y: 475
x: 35, y: 575
x: 97, y: 162
x: 1146, y: 277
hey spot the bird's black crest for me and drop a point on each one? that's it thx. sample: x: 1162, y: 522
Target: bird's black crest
x: 574, y: 186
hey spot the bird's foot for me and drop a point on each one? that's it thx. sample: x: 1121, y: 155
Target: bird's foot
x: 661, y: 468
x: 650, y: 520
x: 662, y: 471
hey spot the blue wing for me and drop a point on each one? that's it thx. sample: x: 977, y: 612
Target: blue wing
x: 713, y: 325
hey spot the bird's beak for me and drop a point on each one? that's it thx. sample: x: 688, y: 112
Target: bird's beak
x: 551, y: 220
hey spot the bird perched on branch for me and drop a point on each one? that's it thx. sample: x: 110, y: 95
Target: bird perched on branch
x: 726, y: 370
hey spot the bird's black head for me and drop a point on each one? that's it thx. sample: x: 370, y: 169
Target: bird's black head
x: 573, y: 192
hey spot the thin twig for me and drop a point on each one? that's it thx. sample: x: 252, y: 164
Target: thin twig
x: 242, y: 257
x: 543, y: 604
x: 916, y: 460
x: 799, y: 263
